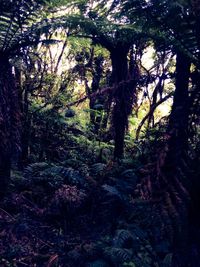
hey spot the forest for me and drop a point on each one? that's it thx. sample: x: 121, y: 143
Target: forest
x: 99, y: 133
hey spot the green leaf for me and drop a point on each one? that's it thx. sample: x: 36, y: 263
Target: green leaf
x: 167, y: 262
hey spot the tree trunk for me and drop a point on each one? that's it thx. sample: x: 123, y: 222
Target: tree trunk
x: 26, y: 127
x: 97, y: 73
x: 9, y: 122
x: 123, y: 96
x: 25, y: 118
x: 178, y: 123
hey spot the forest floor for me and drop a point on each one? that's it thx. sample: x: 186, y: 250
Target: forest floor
x: 94, y: 223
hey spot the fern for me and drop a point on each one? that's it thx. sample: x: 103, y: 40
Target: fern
x: 123, y: 239
x: 141, y: 234
x: 117, y: 255
x: 98, y: 168
x: 122, y: 187
x: 15, y: 22
x: 126, y: 186
x: 69, y: 175
x: 167, y: 262
x: 53, y: 175
x: 113, y: 191
x: 34, y: 169
x: 97, y: 263
x: 129, y: 174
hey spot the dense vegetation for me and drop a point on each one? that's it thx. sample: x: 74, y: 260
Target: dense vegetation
x: 100, y: 133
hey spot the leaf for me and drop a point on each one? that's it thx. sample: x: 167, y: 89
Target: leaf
x: 130, y: 173
x: 139, y: 232
x: 123, y: 238
x: 167, y: 262
x: 97, y: 263
x: 129, y: 264
x: 118, y: 254
x: 35, y: 169
x: 112, y: 190
x: 97, y: 168
x: 98, y: 106
x: 52, y: 260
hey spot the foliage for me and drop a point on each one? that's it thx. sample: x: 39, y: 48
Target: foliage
x: 52, y: 176
x: 70, y: 202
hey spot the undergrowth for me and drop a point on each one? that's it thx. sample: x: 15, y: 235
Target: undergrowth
x: 88, y: 212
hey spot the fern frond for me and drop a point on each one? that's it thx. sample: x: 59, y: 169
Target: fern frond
x: 123, y: 239
x: 53, y: 175
x: 117, y: 255
x: 97, y: 263
x: 98, y: 168
x: 167, y: 262
x: 113, y: 191
x: 16, y: 20
x: 33, y: 170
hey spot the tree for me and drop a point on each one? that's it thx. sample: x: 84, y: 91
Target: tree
x: 92, y: 63
x: 179, y: 117
x: 175, y: 25
x: 103, y: 27
x: 16, y: 31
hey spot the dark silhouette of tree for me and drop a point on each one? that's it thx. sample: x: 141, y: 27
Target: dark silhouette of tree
x: 16, y: 31
x: 179, y: 117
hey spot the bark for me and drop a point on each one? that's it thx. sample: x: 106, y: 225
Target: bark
x: 178, y: 123
x: 123, y: 96
x: 9, y: 122
x: 25, y: 119
x: 25, y: 135
x: 150, y: 113
x: 95, y: 119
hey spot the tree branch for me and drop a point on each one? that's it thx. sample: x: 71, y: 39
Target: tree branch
x: 151, y: 111
x: 100, y: 92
